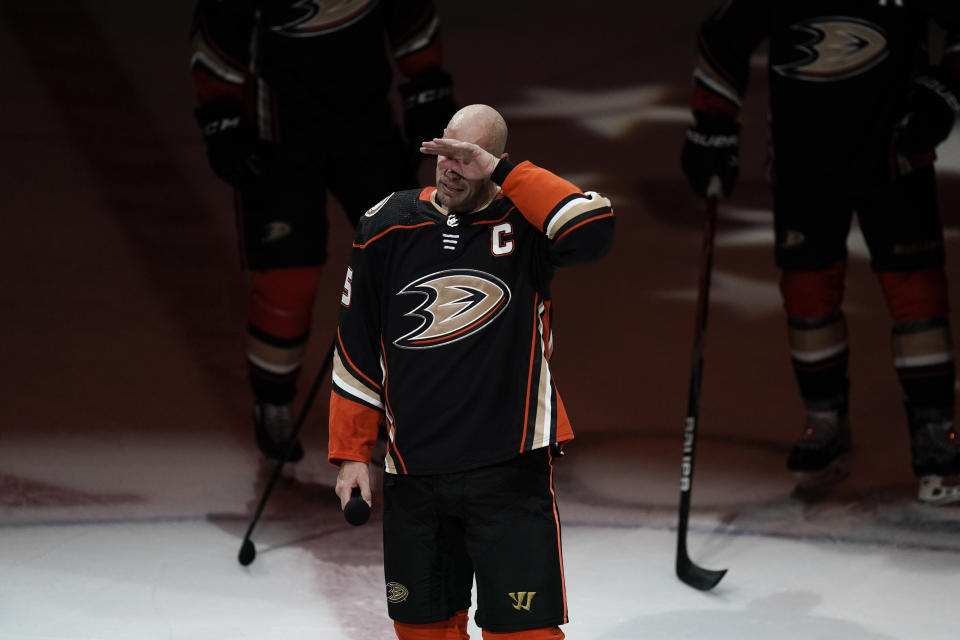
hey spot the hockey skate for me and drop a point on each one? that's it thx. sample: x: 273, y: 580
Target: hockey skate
x: 821, y: 458
x: 935, y: 447
x: 273, y: 428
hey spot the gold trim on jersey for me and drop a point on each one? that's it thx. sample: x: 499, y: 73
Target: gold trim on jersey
x: 542, y: 432
x: 350, y: 384
x: 589, y: 201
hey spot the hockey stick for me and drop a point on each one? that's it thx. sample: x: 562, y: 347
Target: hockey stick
x: 247, y: 549
x: 696, y: 576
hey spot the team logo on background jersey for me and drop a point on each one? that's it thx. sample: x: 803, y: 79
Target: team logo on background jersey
x: 457, y: 303
x: 837, y: 48
x: 276, y: 230
x: 316, y: 17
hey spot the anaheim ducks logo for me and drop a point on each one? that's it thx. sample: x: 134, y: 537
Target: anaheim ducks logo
x: 396, y: 592
x: 838, y: 48
x: 457, y: 303
x: 315, y: 17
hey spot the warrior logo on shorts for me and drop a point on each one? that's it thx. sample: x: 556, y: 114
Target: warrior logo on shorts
x: 317, y: 17
x: 836, y: 49
x: 457, y: 303
x: 522, y: 599
x: 396, y: 592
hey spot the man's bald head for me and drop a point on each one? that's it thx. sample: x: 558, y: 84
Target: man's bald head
x: 480, y: 124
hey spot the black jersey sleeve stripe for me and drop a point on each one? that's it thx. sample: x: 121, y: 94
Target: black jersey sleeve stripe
x: 573, y: 209
x: 587, y: 240
x: 353, y: 370
x: 349, y: 395
x: 579, y: 221
x: 353, y: 387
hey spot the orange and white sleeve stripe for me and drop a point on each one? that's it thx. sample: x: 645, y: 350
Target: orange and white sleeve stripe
x: 552, y: 204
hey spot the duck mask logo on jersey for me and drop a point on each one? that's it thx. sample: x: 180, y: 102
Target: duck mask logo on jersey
x: 317, y: 17
x: 457, y: 303
x: 836, y: 48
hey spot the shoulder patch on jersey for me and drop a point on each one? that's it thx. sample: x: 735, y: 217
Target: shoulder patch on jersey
x: 390, y: 212
x: 456, y: 303
x: 372, y: 211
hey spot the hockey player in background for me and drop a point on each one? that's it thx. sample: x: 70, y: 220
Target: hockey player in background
x: 445, y: 330
x: 857, y: 109
x: 293, y: 99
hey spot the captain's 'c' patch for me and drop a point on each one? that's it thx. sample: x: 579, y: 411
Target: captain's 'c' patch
x: 456, y: 303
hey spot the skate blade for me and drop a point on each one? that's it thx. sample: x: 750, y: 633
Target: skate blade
x: 813, y: 482
x: 933, y: 491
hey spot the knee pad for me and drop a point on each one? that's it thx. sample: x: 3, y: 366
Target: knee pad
x: 544, y: 633
x: 813, y: 294
x: 281, y: 300
x: 914, y: 296
x: 454, y: 628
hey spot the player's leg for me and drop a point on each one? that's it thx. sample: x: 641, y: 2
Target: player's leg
x: 428, y: 573
x: 283, y: 230
x: 903, y: 229
x: 811, y: 229
x: 455, y: 628
x: 513, y: 535
x: 281, y: 301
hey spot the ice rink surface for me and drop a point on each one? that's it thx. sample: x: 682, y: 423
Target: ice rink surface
x: 128, y: 472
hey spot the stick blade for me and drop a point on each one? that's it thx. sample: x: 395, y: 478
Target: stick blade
x: 696, y: 576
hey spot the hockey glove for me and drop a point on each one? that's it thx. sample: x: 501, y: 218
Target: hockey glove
x: 711, y: 154
x: 232, y: 144
x: 427, y: 108
x: 932, y: 109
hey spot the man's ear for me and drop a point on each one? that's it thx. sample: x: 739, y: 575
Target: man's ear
x: 504, y: 155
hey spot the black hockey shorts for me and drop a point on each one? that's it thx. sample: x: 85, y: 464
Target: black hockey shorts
x: 282, y: 219
x: 498, y: 523
x: 899, y: 219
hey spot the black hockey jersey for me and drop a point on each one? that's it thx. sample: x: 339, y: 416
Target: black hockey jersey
x: 839, y: 72
x: 310, y: 69
x: 444, y: 328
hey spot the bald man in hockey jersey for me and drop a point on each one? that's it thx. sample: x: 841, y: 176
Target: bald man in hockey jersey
x: 445, y: 333
x: 293, y: 99
x: 857, y: 109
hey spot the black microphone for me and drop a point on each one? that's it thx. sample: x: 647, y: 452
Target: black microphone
x: 357, y: 510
